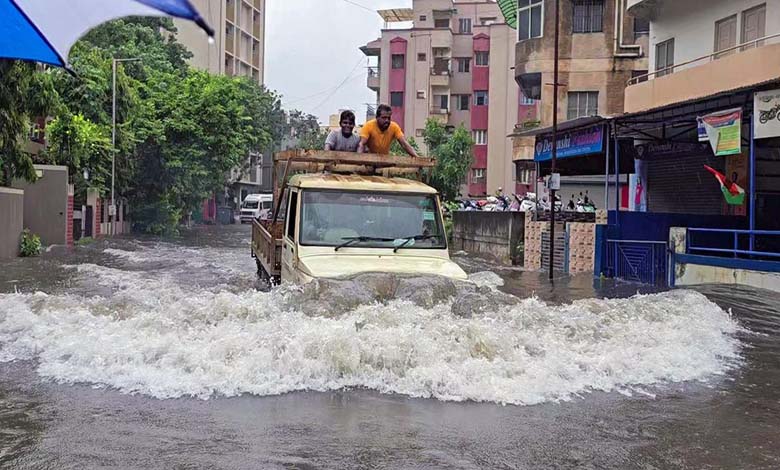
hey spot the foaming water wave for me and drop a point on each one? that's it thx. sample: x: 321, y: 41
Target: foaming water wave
x: 419, y: 337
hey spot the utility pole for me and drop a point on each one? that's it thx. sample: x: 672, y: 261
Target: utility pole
x: 554, y: 140
x: 112, y: 208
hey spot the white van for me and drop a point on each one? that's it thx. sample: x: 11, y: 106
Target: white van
x: 256, y: 206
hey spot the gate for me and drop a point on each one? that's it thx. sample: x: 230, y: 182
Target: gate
x: 645, y: 262
x: 88, y: 221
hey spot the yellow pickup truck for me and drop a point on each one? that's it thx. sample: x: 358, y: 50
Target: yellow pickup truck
x: 348, y: 216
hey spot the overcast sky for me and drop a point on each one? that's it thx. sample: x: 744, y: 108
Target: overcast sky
x: 312, y: 47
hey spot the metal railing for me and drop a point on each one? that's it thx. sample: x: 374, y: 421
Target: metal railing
x: 645, y: 262
x: 710, y: 57
x: 732, y: 242
x: 373, y: 72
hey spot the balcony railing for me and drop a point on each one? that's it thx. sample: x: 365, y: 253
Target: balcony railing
x: 373, y: 72
x: 705, y: 59
x: 440, y: 111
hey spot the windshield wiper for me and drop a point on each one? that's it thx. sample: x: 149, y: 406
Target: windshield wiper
x: 409, y: 240
x: 352, y: 240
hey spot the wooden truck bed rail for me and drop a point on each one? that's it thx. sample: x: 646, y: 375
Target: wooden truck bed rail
x: 267, y: 245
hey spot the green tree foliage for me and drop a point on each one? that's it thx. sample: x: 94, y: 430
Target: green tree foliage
x: 305, y: 129
x: 81, y: 145
x: 397, y: 150
x: 454, y: 155
x: 24, y: 94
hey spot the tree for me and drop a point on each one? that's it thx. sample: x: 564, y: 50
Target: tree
x: 81, y: 145
x: 397, y: 150
x: 454, y: 155
x: 24, y: 94
x: 305, y: 129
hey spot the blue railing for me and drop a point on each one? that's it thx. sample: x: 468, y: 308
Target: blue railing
x: 735, y: 243
x: 640, y: 261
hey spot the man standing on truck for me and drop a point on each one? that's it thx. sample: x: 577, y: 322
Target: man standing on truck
x: 378, y: 134
x: 344, y: 140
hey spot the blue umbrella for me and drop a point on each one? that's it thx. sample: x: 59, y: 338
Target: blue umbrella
x: 45, y: 30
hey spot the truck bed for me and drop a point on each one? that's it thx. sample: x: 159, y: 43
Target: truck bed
x: 267, y: 246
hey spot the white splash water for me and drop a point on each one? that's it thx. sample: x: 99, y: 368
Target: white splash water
x: 160, y: 339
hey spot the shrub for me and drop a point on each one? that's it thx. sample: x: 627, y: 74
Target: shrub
x: 31, y: 244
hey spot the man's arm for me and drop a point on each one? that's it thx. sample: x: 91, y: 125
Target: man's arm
x: 409, y: 149
x: 362, y: 145
x: 330, y: 141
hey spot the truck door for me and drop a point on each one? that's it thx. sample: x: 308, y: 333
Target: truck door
x: 289, y: 248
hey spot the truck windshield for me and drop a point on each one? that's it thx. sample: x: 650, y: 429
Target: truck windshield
x: 373, y: 220
x: 251, y: 205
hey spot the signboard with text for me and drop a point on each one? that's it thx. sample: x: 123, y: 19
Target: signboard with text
x: 723, y: 130
x: 766, y: 112
x: 572, y: 144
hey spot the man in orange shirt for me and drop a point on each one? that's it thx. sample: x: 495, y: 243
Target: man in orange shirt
x: 377, y: 135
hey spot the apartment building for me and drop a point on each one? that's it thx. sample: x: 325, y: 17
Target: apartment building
x: 454, y: 63
x: 239, y: 39
x: 696, y: 52
x: 601, y: 47
x: 714, y: 59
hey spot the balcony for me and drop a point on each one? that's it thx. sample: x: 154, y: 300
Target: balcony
x: 373, y: 48
x: 440, y: 79
x: 745, y: 65
x: 441, y: 115
x: 373, y: 80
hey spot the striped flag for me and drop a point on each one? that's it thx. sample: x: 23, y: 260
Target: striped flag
x: 509, y: 10
x: 734, y: 194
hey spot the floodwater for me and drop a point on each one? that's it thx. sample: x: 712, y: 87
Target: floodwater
x: 166, y: 354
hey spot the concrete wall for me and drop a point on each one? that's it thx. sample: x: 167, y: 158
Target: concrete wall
x: 707, y: 270
x: 494, y: 235
x: 46, y: 204
x: 11, y: 217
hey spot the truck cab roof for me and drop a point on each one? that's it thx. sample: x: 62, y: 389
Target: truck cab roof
x: 360, y: 183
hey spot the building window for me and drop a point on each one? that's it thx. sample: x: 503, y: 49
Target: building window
x: 480, y: 137
x: 398, y: 61
x: 422, y: 57
x: 441, y: 23
x: 523, y: 176
x: 530, y: 16
x: 725, y: 35
x: 588, y: 16
x: 480, y: 98
x: 397, y: 99
x: 423, y: 17
x: 527, y: 101
x: 583, y: 104
x: 420, y: 94
x: 462, y: 102
x: 488, y: 21
x: 664, y: 58
x: 753, y: 26
x: 477, y: 174
x: 464, y: 65
x: 482, y: 58
x: 641, y: 26
x: 638, y: 76
x: 441, y: 102
x: 464, y: 25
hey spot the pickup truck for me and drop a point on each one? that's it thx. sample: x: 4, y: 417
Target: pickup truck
x: 344, y: 219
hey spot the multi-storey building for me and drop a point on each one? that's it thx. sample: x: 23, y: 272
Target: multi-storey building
x: 601, y: 47
x: 239, y: 38
x: 453, y: 64
x: 238, y: 49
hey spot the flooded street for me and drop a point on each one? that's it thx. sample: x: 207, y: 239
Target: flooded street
x: 167, y: 354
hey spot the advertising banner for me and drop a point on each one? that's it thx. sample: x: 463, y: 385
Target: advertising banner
x: 572, y: 144
x: 724, y: 131
x: 766, y: 112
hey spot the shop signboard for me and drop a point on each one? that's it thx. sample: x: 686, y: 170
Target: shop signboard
x: 766, y: 112
x: 723, y: 130
x: 576, y: 143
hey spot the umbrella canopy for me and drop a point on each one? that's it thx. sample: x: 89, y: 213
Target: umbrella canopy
x: 45, y: 30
